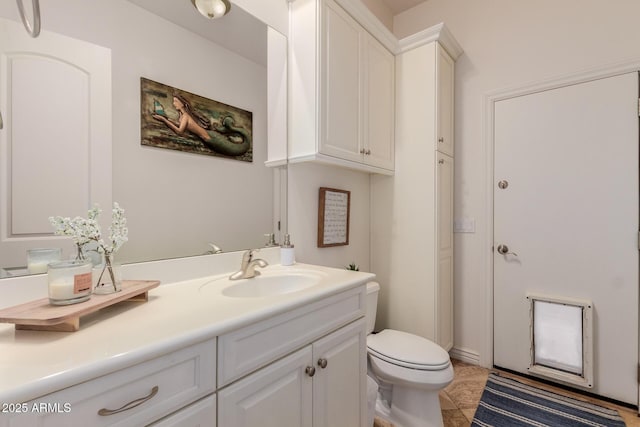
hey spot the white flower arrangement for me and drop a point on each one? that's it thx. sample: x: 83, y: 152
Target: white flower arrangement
x: 86, y: 230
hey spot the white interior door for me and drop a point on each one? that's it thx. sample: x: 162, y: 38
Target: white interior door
x: 569, y: 211
x: 55, y: 97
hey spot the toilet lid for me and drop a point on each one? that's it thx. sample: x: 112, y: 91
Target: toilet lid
x: 407, y: 350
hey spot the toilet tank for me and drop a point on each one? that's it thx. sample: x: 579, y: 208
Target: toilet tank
x: 372, y: 305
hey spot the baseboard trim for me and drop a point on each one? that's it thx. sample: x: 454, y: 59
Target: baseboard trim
x: 465, y: 355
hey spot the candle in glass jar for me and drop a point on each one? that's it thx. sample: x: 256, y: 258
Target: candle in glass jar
x: 69, y: 282
x: 39, y: 259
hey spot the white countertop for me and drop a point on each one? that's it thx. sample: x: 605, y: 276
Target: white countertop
x: 178, y: 314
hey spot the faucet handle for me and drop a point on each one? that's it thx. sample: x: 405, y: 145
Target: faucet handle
x: 271, y: 240
x: 248, y: 255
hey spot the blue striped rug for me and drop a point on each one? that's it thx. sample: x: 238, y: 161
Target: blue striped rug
x: 510, y: 403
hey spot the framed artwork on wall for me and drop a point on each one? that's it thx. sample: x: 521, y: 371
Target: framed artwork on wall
x: 178, y: 120
x: 333, y: 217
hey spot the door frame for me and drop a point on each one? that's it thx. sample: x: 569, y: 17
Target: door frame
x: 486, y: 355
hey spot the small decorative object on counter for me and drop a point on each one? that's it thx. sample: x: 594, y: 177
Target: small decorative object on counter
x: 69, y: 282
x: 287, y: 253
x: 353, y: 266
x: 84, y: 231
x: 38, y: 259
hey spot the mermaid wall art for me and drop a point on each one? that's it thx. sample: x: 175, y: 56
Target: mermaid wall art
x: 178, y: 120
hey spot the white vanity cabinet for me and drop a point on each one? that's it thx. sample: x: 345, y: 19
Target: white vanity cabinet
x: 307, y: 367
x: 297, y: 359
x: 342, y: 90
x: 137, y: 395
x: 320, y: 385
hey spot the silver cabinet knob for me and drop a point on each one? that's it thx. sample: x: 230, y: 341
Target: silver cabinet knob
x: 441, y: 139
x: 362, y: 151
x: 504, y: 250
x: 368, y: 152
x: 322, y: 363
x: 311, y: 371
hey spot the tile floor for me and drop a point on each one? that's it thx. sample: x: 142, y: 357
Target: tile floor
x: 460, y: 399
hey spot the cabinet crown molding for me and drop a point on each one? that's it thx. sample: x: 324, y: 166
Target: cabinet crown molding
x: 377, y: 29
x: 439, y: 33
x: 371, y: 23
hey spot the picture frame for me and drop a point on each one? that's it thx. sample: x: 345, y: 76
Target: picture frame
x: 334, y: 207
x: 175, y: 119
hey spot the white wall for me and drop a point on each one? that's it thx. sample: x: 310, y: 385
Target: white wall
x: 175, y: 202
x: 305, y: 179
x: 509, y: 44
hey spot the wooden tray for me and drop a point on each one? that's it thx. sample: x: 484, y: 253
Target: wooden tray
x: 39, y: 315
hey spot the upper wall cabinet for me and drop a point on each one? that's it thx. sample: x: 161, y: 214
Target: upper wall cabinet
x: 342, y: 90
x: 444, y: 101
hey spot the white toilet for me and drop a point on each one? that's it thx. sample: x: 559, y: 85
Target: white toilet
x: 410, y: 371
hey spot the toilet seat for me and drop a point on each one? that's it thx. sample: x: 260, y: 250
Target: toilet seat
x: 407, y: 350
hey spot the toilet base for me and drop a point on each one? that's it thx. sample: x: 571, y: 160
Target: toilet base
x: 411, y: 408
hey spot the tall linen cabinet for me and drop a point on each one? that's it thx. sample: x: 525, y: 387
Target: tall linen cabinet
x: 412, y: 211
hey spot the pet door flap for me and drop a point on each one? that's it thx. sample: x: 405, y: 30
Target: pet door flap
x: 561, y: 339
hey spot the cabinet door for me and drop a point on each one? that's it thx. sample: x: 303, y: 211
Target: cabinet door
x: 339, y: 388
x: 279, y: 395
x: 379, y: 105
x: 340, y: 84
x: 444, y: 101
x: 444, y: 242
x: 200, y: 414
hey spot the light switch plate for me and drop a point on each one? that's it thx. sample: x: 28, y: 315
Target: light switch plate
x: 464, y: 225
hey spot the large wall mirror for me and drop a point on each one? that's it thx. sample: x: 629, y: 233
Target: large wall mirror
x: 176, y: 203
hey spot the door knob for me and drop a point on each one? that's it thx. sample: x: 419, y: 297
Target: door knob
x: 322, y: 363
x: 504, y: 250
x: 311, y: 371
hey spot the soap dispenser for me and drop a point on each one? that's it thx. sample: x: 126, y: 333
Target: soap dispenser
x: 287, y: 254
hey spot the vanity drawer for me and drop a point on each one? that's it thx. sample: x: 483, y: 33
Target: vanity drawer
x: 245, y: 350
x: 202, y: 413
x: 158, y: 387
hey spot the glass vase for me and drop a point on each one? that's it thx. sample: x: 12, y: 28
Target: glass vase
x: 107, y: 277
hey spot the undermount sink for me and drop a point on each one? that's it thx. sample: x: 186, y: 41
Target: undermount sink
x: 267, y: 284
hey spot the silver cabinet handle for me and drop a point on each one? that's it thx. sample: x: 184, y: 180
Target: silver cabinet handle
x: 504, y: 250
x: 104, y: 412
x: 322, y: 363
x: 311, y: 371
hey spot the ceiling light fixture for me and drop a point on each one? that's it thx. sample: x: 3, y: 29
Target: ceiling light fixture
x: 212, y: 9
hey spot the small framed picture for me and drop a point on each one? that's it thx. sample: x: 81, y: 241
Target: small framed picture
x: 333, y: 217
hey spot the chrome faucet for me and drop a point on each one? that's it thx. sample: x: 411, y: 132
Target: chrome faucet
x: 248, y: 266
x: 215, y: 249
